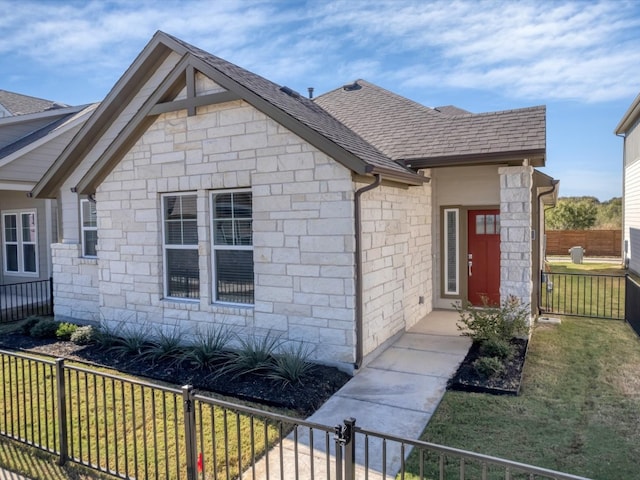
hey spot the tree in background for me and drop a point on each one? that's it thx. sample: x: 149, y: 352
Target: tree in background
x: 584, y: 213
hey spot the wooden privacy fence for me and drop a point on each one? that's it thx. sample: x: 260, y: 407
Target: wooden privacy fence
x: 597, y: 243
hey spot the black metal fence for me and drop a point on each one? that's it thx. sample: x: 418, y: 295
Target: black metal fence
x: 21, y: 300
x: 138, y: 430
x: 632, y: 303
x: 583, y: 295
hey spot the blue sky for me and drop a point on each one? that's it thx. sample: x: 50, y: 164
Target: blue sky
x: 579, y: 58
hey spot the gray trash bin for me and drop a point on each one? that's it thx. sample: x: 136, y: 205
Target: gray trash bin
x: 577, y: 254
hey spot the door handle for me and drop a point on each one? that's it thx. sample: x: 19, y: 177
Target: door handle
x: 470, y: 263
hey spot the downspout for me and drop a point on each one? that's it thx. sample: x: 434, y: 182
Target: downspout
x: 624, y: 249
x: 554, y: 184
x: 358, y: 258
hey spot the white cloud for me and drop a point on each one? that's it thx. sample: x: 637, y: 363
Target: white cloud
x: 579, y: 50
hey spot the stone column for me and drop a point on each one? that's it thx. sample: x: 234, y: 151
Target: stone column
x: 515, y: 233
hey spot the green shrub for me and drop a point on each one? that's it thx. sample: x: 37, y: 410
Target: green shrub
x: 488, y: 366
x: 496, y: 347
x: 65, y: 330
x: 210, y: 347
x: 45, y: 328
x: 166, y: 345
x: 504, y: 322
x: 106, y: 337
x: 28, y: 324
x: 130, y: 342
x: 291, y: 364
x: 254, y: 355
x: 84, y: 335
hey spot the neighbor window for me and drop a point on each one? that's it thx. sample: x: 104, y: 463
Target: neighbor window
x: 20, y: 242
x: 232, y: 247
x: 89, y: 228
x: 180, y: 243
x: 451, y: 249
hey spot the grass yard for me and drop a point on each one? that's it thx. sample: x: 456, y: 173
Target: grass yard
x: 118, y: 424
x: 587, y: 289
x: 579, y: 410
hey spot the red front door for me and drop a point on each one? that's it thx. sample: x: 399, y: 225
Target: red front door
x: 483, y: 263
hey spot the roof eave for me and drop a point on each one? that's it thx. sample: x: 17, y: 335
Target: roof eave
x: 408, y: 178
x: 536, y: 158
x: 158, y: 49
x: 629, y: 118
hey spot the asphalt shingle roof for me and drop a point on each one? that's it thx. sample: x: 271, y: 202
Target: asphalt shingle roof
x: 18, y: 104
x: 403, y: 129
x: 301, y: 108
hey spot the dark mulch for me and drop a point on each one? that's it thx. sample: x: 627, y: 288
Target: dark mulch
x: 507, y: 383
x: 304, y: 398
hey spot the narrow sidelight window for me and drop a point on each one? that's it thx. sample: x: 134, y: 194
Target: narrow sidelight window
x: 451, y: 251
x: 89, y: 228
x: 232, y: 247
x: 180, y: 243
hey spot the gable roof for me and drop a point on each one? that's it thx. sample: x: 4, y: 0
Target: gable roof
x: 630, y: 117
x: 18, y: 104
x: 16, y: 163
x: 299, y: 114
x: 422, y: 137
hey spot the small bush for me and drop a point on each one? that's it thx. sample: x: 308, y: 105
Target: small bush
x: 210, y: 347
x: 28, y: 324
x: 496, y: 347
x: 84, y: 335
x: 132, y: 342
x: 65, y: 330
x: 255, y: 355
x: 105, y: 337
x: 504, y: 322
x: 166, y: 345
x: 488, y: 366
x: 291, y: 364
x: 45, y: 328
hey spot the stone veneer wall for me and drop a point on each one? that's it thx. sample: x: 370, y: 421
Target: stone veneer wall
x: 303, y: 229
x: 397, y: 262
x: 515, y: 233
x: 75, y: 284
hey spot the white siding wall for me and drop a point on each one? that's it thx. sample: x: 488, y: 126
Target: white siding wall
x: 632, y: 197
x: 397, y: 268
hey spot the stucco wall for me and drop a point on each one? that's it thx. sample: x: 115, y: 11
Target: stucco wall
x: 397, y: 268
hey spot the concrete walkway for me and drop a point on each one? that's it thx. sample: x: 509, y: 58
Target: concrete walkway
x: 395, y: 394
x: 7, y: 475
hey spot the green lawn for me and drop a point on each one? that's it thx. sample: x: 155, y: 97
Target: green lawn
x: 588, y: 289
x: 119, y: 425
x: 579, y: 410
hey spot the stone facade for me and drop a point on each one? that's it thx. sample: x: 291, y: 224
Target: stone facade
x: 397, y: 267
x: 515, y: 233
x: 75, y: 281
x: 302, y: 222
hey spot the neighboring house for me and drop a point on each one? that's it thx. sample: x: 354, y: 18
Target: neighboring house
x: 223, y: 199
x: 629, y: 130
x: 33, y: 132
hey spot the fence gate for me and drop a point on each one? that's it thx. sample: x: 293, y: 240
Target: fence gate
x: 583, y: 295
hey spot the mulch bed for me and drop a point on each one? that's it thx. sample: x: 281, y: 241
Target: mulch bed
x: 507, y: 383
x: 304, y: 398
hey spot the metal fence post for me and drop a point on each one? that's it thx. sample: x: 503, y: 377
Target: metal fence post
x: 62, y: 411
x: 51, y: 295
x: 190, y: 432
x: 350, y: 449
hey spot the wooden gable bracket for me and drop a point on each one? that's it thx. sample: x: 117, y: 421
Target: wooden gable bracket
x: 192, y: 101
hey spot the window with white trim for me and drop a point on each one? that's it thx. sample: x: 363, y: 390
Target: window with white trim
x: 180, y: 245
x: 89, y: 227
x: 451, y: 240
x: 232, y: 246
x: 20, y: 242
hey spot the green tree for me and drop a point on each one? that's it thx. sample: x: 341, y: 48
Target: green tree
x: 610, y: 215
x: 572, y: 214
